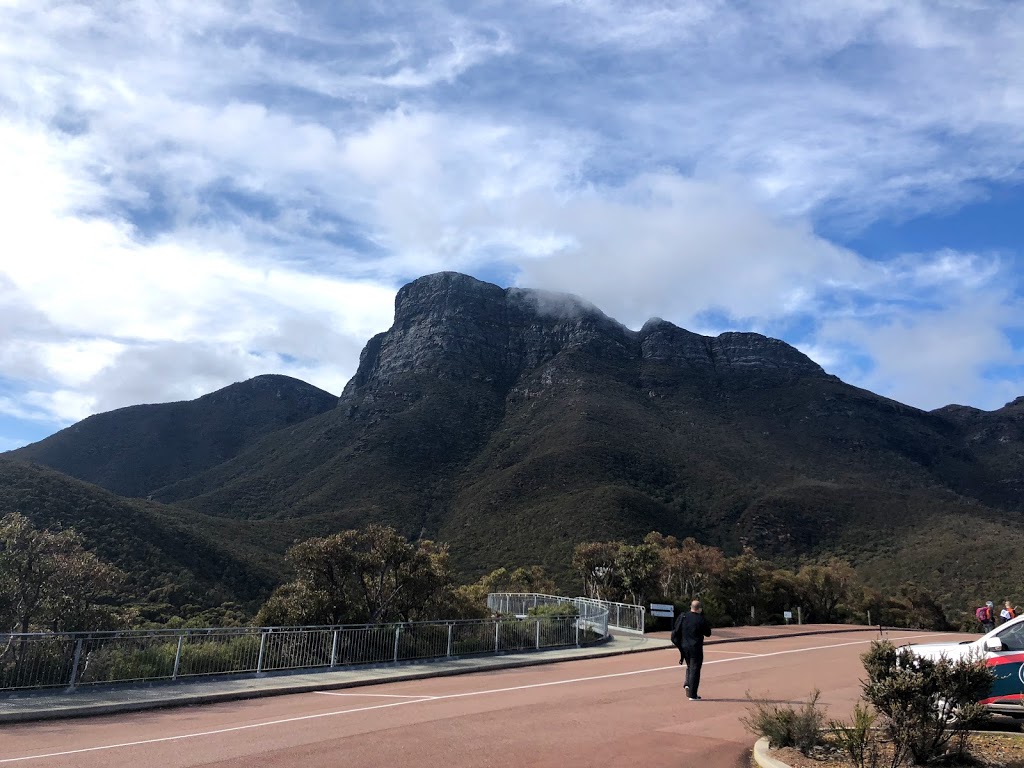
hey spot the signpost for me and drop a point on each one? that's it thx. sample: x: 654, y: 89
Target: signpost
x: 662, y: 610
x: 788, y: 616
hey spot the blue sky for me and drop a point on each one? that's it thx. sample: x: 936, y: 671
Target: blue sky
x: 196, y: 193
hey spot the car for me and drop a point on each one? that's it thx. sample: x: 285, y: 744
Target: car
x: 1003, y: 651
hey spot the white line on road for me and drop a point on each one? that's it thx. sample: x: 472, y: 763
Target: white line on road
x: 425, y: 700
x: 725, y: 650
x: 380, y: 695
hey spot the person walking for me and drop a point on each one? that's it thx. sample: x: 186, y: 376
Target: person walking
x: 688, y: 636
x: 1008, y: 612
x: 986, y: 617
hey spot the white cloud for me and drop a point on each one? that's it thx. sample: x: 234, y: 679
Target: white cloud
x: 929, y: 330
x: 685, y: 247
x: 115, y: 321
x: 864, y: 107
x: 931, y: 359
x: 448, y: 194
x: 197, y: 193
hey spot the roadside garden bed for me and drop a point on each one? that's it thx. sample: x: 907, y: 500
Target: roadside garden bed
x: 983, y: 750
x: 914, y: 711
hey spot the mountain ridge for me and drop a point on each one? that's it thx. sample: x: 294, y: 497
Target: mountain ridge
x: 137, y: 449
x: 513, y: 424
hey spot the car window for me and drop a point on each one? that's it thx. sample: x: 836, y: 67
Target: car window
x: 1013, y: 638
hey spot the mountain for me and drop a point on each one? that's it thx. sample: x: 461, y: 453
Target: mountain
x: 170, y: 556
x: 133, y: 451
x: 514, y: 423
x: 995, y: 440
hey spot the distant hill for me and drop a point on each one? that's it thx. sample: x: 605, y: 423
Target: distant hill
x: 169, y: 555
x: 994, y: 441
x: 133, y: 451
x: 513, y: 424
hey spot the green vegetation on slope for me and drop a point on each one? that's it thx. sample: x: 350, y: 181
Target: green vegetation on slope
x: 513, y: 428
x: 133, y: 451
x: 173, y: 561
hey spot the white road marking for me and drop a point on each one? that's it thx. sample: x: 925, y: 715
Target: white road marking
x: 381, y: 695
x: 425, y: 700
x: 723, y: 650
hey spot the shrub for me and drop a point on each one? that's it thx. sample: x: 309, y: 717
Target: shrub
x: 926, y: 705
x: 554, y: 609
x: 556, y: 623
x: 784, y: 726
x: 857, y: 739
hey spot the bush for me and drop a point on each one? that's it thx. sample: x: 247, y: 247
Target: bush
x: 927, y: 706
x: 784, y: 726
x: 556, y: 624
x: 554, y: 609
x: 856, y: 739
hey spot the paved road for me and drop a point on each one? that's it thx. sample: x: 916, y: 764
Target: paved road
x: 609, y: 711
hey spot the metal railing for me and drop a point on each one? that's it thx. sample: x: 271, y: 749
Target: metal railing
x: 624, y: 617
x: 69, y: 660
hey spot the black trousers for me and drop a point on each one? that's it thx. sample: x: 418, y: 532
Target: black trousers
x: 694, y: 658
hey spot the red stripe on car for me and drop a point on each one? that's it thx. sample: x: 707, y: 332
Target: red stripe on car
x: 996, y: 661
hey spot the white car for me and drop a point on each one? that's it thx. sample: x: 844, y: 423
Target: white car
x: 1003, y: 650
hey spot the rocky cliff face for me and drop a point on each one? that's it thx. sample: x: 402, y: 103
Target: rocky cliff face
x: 459, y: 328
x: 728, y: 353
x: 513, y: 423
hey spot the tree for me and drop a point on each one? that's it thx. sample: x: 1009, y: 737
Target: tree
x: 700, y: 566
x: 923, y: 610
x: 688, y: 569
x: 470, y: 600
x: 637, y: 567
x: 595, y: 562
x: 362, y: 576
x: 524, y: 579
x: 746, y: 585
x: 826, y: 587
x: 48, y: 580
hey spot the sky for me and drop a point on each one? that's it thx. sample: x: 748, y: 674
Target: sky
x: 195, y: 193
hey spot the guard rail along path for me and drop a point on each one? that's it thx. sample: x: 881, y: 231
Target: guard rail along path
x: 69, y: 660
x: 624, y: 617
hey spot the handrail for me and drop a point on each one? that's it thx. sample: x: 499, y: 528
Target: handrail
x: 624, y: 617
x: 174, y: 632
x: 72, y: 659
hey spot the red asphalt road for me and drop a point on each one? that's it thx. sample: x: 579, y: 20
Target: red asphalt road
x: 617, y: 710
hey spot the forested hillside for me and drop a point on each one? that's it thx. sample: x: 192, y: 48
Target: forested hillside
x: 514, y: 424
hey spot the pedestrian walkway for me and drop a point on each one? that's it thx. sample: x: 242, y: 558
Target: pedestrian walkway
x: 98, y: 700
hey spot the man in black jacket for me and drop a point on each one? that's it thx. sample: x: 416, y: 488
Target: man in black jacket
x: 688, y: 636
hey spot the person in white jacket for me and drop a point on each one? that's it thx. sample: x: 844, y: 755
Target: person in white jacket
x: 1007, y: 613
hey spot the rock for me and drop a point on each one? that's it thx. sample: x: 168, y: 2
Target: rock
x: 461, y: 328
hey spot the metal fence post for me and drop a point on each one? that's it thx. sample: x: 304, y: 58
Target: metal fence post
x: 177, y: 658
x: 263, y: 645
x: 301, y: 646
x: 617, y: 622
x: 74, y: 664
